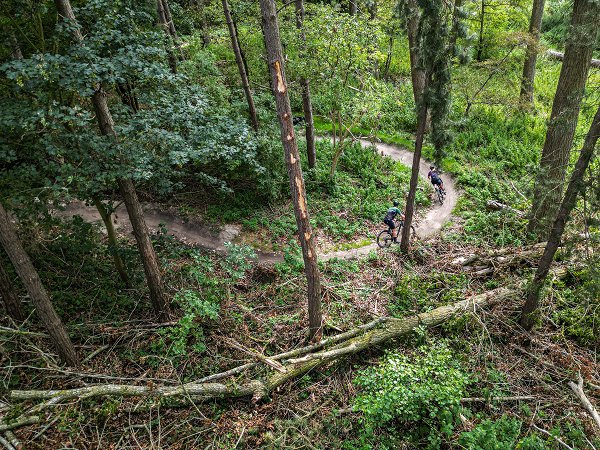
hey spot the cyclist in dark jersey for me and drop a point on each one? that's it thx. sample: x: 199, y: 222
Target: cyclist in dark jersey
x: 435, y: 178
x: 389, y: 219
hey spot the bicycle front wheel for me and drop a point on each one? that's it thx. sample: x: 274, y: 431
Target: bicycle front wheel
x: 384, y: 239
x: 440, y: 195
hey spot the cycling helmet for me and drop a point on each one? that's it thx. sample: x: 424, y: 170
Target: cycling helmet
x: 396, y: 203
x: 431, y: 167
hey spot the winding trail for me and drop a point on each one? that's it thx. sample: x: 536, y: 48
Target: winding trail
x: 200, y: 235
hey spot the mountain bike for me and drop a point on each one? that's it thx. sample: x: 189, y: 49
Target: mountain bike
x: 385, y: 238
x: 439, y: 192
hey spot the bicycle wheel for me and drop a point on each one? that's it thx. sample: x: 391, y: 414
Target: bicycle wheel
x: 384, y: 239
x: 440, y: 195
x: 413, y: 232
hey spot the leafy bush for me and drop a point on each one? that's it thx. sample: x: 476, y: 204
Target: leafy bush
x: 421, y: 392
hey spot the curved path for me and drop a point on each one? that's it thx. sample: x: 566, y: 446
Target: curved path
x: 199, y: 234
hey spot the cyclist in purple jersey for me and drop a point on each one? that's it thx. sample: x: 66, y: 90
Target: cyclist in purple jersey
x: 435, y: 178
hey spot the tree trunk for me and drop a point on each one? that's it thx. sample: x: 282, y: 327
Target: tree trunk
x: 14, y: 46
x: 35, y: 289
x: 14, y: 308
x: 240, y: 64
x: 134, y: 209
x: 563, y: 120
x: 567, y: 205
x: 535, y: 24
x: 162, y: 19
x: 306, y: 102
x: 112, y: 239
x: 237, y: 40
x: 292, y: 159
x: 481, y: 24
x: 172, y: 30
x: 414, y: 178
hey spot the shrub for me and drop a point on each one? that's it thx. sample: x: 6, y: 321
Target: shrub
x: 500, y: 434
x: 421, y: 392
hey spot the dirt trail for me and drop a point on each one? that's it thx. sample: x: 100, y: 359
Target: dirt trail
x: 200, y: 234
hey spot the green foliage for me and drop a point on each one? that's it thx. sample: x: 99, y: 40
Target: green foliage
x: 500, y: 434
x: 421, y: 392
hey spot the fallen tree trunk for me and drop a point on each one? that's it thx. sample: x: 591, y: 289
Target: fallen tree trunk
x: 559, y: 55
x: 493, y: 205
x: 356, y: 340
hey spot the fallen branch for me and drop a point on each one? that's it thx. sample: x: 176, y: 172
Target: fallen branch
x: 497, y: 206
x: 274, y: 364
x: 500, y: 399
x: 6, y: 330
x: 554, y: 437
x: 559, y: 55
x: 95, y: 352
x: 6, y: 444
x: 578, y: 390
x: 12, y: 439
x: 18, y: 423
x: 358, y: 340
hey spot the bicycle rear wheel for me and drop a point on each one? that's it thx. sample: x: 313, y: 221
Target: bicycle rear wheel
x: 384, y: 239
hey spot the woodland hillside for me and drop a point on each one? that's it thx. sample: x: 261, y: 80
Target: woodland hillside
x: 193, y: 250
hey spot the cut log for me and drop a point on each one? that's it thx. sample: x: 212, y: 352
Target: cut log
x: 559, y: 55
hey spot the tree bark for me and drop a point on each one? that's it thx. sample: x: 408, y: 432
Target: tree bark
x: 162, y: 19
x: 414, y: 178
x: 112, y: 239
x: 292, y: 159
x: 574, y: 188
x: 240, y: 64
x: 481, y: 24
x: 352, y: 7
x: 306, y: 102
x: 565, y: 113
x: 134, y: 209
x: 528, y: 78
x: 171, y: 26
x: 31, y: 280
x: 14, y: 308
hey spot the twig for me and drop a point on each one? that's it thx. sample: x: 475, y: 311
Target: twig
x: 240, y: 438
x: 274, y: 364
x: 95, y: 352
x: 578, y: 390
x: 552, y: 436
x: 43, y: 430
x: 517, y: 191
x: 501, y: 399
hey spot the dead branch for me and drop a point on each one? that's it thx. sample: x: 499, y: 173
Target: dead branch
x: 500, y: 399
x: 558, y: 55
x: 552, y: 436
x: 18, y: 423
x: 578, y: 390
x: 12, y: 439
x: 274, y: 364
x: 6, y: 330
x: 493, y: 205
x: 95, y: 352
x: 6, y: 444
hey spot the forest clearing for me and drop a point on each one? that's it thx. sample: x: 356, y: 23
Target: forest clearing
x: 191, y: 194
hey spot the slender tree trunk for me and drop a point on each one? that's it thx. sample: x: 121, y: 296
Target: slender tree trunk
x: 414, y: 178
x: 528, y: 78
x: 134, y: 209
x: 14, y: 308
x: 14, y: 46
x: 373, y: 9
x: 172, y: 30
x: 388, y: 59
x: 237, y: 40
x: 576, y: 184
x: 31, y: 280
x: 240, y: 64
x: 162, y: 19
x: 306, y: 102
x: 565, y: 113
x: 481, y: 24
x: 112, y: 239
x: 292, y: 159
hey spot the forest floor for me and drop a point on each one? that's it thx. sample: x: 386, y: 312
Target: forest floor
x: 195, y: 232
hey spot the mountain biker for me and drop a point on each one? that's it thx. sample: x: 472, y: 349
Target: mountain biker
x: 389, y: 219
x: 435, y: 178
